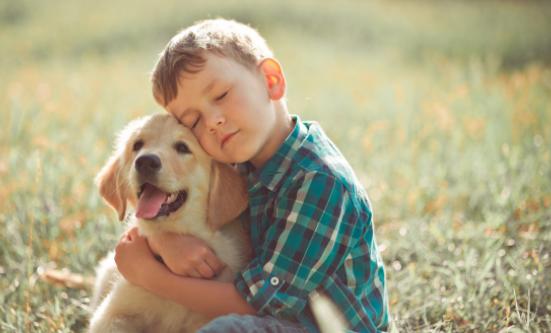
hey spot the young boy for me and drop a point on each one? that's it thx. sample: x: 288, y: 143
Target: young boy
x: 311, y: 221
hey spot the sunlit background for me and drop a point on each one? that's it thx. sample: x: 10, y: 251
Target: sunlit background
x: 442, y: 107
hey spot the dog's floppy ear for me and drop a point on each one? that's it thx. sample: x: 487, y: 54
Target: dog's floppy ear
x: 111, y: 186
x: 227, y: 195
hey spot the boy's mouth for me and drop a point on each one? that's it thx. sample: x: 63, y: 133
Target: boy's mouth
x: 226, y: 138
x: 154, y: 202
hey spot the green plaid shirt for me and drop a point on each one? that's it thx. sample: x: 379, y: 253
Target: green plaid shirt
x: 312, y: 230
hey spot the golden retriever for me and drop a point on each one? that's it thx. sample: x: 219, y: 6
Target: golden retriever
x: 159, y: 168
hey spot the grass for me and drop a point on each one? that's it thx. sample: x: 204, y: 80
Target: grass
x: 443, y: 114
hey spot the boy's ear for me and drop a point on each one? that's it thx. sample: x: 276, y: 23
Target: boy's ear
x: 111, y: 187
x: 227, y: 195
x: 274, y: 78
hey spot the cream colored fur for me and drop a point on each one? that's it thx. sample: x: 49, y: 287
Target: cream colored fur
x: 216, y: 196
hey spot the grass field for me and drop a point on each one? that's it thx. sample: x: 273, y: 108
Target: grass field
x: 442, y: 107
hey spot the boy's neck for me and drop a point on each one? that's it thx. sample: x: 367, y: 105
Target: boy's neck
x: 283, y: 127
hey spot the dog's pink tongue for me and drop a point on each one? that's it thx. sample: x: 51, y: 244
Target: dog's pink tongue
x: 150, y: 202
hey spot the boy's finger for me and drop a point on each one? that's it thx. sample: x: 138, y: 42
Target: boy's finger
x: 133, y: 233
x: 125, y: 238
x: 205, y: 270
x: 129, y: 235
x: 194, y: 273
x: 215, y: 264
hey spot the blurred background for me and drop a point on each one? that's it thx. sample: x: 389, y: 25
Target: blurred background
x: 442, y: 107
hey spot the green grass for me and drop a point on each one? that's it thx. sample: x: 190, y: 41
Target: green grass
x: 443, y: 109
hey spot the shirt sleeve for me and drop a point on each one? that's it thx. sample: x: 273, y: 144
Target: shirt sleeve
x: 314, y: 228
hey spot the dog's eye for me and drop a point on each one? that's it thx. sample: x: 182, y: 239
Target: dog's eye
x: 137, y: 145
x: 182, y: 148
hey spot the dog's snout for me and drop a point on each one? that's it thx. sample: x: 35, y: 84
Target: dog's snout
x: 148, y: 164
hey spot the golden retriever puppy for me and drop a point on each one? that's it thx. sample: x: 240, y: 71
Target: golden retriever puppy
x: 160, y: 170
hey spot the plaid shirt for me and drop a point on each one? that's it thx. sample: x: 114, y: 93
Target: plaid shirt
x: 312, y: 230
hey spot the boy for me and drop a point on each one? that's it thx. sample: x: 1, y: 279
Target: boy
x: 311, y: 221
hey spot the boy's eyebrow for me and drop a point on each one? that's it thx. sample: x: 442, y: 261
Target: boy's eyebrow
x: 209, y: 86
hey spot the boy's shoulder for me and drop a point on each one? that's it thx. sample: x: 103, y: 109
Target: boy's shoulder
x: 319, y: 155
x: 308, y: 152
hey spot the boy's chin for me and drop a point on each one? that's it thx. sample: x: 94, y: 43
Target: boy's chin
x: 230, y: 158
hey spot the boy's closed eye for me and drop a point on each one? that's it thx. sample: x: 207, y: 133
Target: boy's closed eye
x: 195, y: 122
x: 191, y: 120
x: 221, y: 96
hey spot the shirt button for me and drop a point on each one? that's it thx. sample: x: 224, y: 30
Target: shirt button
x: 274, y: 281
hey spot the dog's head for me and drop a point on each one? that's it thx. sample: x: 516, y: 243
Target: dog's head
x: 161, y: 170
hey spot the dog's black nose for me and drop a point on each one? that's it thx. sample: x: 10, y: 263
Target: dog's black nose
x: 148, y: 164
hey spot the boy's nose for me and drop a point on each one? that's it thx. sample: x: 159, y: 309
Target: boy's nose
x: 215, y: 121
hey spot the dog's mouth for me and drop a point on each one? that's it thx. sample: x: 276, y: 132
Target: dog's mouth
x: 154, y: 202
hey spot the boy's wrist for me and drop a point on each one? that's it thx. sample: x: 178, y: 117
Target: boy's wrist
x: 151, y: 274
x: 155, y: 243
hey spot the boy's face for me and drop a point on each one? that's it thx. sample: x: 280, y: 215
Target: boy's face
x: 229, y: 109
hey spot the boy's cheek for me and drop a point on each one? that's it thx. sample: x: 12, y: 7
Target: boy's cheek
x: 208, y: 146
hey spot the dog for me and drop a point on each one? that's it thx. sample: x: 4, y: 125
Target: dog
x: 160, y: 170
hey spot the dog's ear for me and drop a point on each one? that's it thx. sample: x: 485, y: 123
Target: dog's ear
x: 227, y: 195
x: 111, y: 187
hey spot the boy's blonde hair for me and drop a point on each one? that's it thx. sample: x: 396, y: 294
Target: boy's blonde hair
x: 185, y: 52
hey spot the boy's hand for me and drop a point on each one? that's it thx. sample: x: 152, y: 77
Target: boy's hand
x: 134, y: 258
x: 186, y: 255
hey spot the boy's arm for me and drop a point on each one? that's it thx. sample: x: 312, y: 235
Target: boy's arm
x: 138, y: 265
x: 315, y: 227
x: 211, y: 298
x: 319, y: 227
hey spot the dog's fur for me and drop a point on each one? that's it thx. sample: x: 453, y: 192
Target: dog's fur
x: 216, y: 195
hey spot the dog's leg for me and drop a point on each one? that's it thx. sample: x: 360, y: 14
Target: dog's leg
x: 106, y: 276
x: 114, y: 315
x: 116, y: 325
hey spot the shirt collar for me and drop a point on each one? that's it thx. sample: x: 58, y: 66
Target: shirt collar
x: 271, y: 174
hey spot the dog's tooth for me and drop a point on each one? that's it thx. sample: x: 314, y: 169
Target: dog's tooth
x: 171, y: 197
